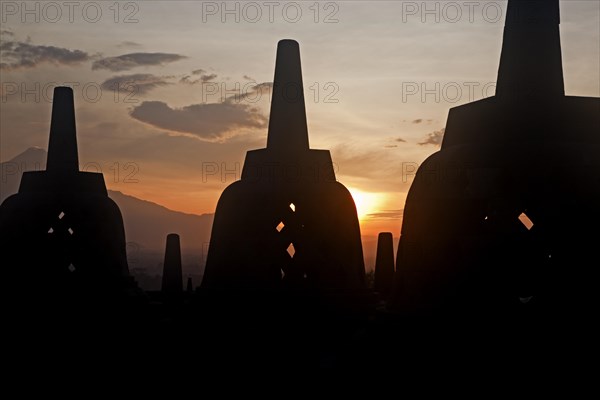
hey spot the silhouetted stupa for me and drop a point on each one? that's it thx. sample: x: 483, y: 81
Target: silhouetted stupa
x: 61, y: 232
x: 384, y: 264
x: 506, y: 214
x: 287, y: 222
x: 172, y: 278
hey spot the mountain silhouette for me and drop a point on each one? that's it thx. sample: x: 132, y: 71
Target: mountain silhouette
x: 146, y: 246
x: 148, y: 223
x: 139, y: 214
x: 32, y: 159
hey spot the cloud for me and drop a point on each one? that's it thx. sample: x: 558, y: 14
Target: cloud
x: 129, y: 61
x: 202, y: 79
x: 128, y: 43
x: 434, y: 138
x: 254, y: 93
x: 212, y: 122
x: 26, y: 55
x: 387, y: 214
x: 207, y: 78
x: 417, y: 121
x: 134, y: 84
x: 393, y: 146
x: 264, y: 85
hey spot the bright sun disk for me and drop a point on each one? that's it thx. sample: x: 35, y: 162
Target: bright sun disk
x: 366, y: 203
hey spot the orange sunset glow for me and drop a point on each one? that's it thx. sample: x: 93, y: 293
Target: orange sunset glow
x: 299, y: 189
x: 168, y: 117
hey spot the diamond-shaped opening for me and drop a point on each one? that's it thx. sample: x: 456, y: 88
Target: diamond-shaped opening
x: 61, y: 215
x: 70, y: 231
x: 50, y: 230
x: 280, y: 226
x: 526, y: 221
x: 71, y: 268
x: 293, y: 207
x: 291, y: 250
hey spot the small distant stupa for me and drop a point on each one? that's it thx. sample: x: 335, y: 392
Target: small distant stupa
x: 384, y: 264
x: 172, y: 278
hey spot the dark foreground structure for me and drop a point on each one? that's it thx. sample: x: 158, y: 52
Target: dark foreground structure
x: 462, y: 237
x: 504, y: 217
x: 287, y: 223
x: 63, y: 235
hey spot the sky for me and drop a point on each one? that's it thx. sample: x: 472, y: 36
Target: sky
x: 170, y: 95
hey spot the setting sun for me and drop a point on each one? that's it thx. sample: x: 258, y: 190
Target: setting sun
x: 366, y: 203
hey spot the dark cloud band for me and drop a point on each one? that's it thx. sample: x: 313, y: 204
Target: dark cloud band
x: 129, y: 61
x: 17, y: 55
x: 134, y: 83
x: 215, y: 121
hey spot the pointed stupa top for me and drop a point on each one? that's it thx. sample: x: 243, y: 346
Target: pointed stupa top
x: 288, y: 131
x: 62, y: 147
x: 531, y: 62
